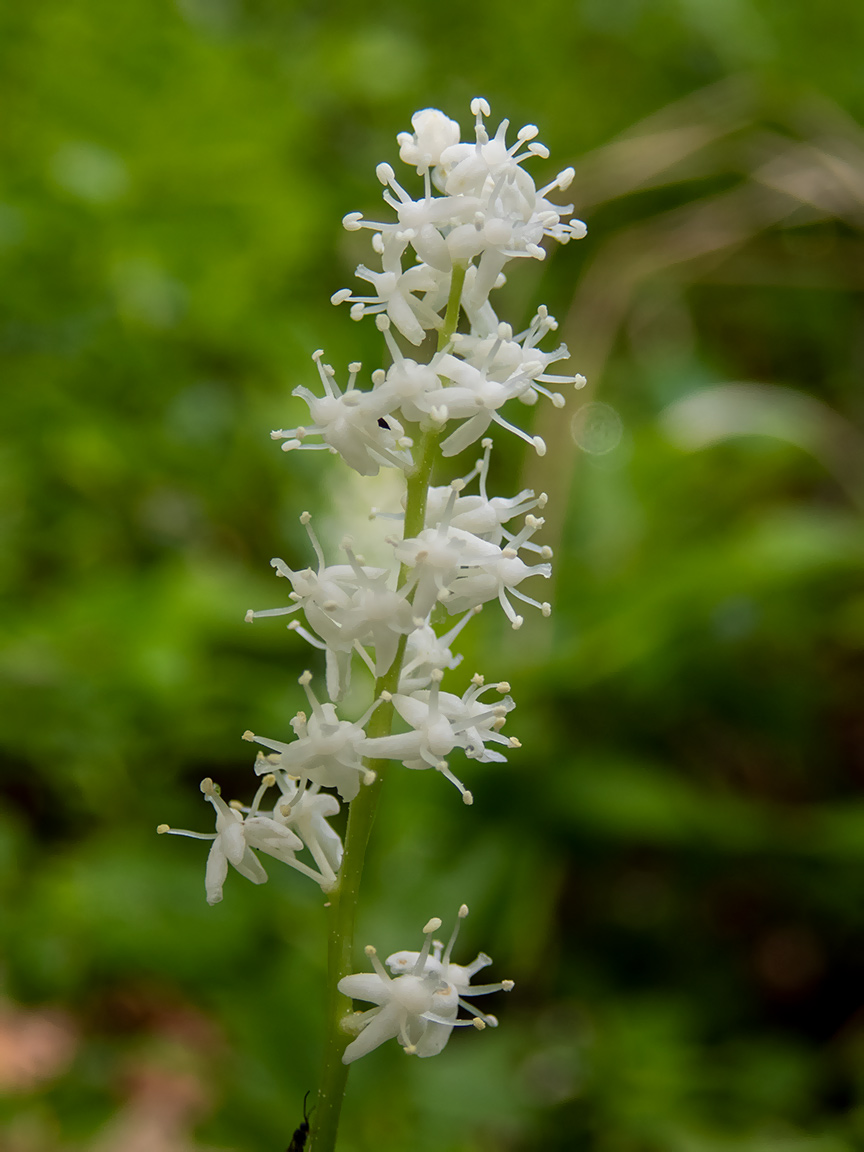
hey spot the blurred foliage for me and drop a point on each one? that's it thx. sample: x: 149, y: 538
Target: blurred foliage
x: 671, y: 869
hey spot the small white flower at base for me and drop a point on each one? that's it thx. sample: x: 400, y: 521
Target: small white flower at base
x: 419, y: 1005
x: 459, y: 975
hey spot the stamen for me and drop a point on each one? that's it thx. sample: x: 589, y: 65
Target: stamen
x: 430, y: 929
x: 460, y: 916
x: 372, y: 952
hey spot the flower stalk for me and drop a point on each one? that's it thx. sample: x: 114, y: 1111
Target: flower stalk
x: 344, y: 897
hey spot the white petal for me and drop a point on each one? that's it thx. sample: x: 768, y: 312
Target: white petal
x: 365, y: 986
x: 216, y: 871
x: 433, y: 1039
x: 251, y: 867
x: 233, y: 842
x: 384, y: 1027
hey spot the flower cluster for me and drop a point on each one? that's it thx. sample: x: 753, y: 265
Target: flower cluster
x: 489, y: 212
x: 456, y: 550
x: 289, y: 827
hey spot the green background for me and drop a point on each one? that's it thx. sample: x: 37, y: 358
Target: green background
x: 671, y: 868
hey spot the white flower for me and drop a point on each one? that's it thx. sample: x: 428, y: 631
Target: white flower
x: 441, y: 722
x: 377, y: 615
x: 433, y: 132
x: 459, y: 975
x: 234, y: 839
x: 407, y: 387
x: 418, y: 1007
x: 437, y: 556
x: 327, y: 750
x: 475, y: 397
x: 322, y: 594
x: 350, y: 423
x: 497, y: 576
x: 480, y: 515
x: 426, y: 653
x: 411, y: 298
x: 503, y: 355
x: 478, y: 722
x: 463, y: 571
x: 347, y: 605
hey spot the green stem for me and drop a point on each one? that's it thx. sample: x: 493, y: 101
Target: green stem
x: 324, y: 1122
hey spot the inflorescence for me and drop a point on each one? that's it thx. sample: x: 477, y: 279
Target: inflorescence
x: 479, y: 209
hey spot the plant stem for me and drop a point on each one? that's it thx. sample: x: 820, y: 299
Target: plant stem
x: 324, y: 1122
